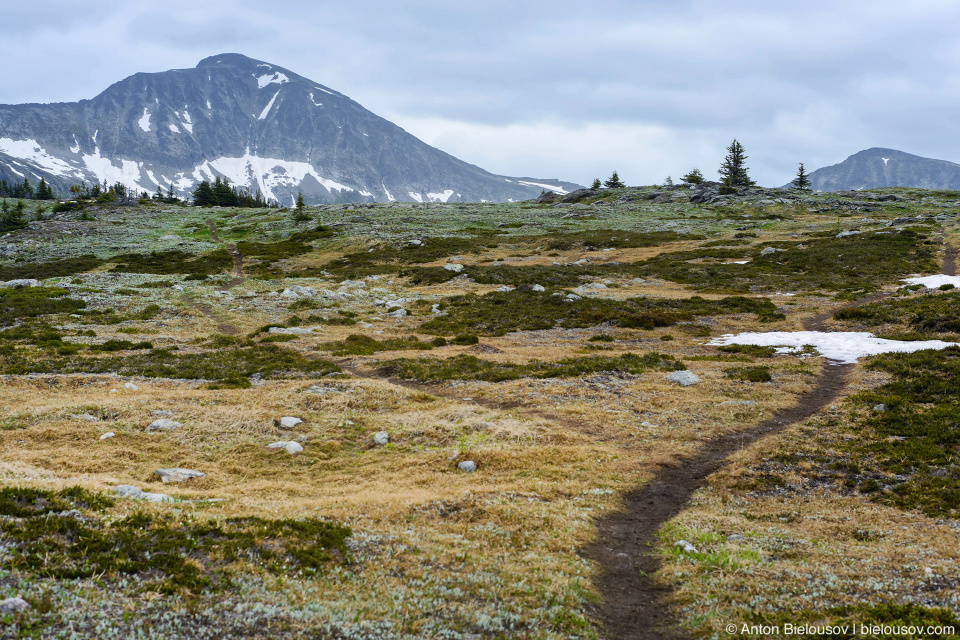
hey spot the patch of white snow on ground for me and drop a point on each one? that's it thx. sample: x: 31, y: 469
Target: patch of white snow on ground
x: 209, y: 107
x: 842, y: 346
x: 277, y: 78
x: 551, y: 187
x: 174, y: 128
x: 76, y: 147
x: 266, y: 109
x: 389, y: 197
x: 366, y: 193
x: 440, y: 197
x: 187, y: 121
x: 144, y: 120
x: 314, y: 101
x: 128, y: 173
x: 885, y: 160
x: 415, y: 196
x: 932, y: 282
x: 325, y: 90
x: 31, y: 151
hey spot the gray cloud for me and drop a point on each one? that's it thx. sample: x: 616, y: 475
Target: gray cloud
x: 649, y: 88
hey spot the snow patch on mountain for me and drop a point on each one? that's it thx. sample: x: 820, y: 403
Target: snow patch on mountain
x: 551, y: 187
x: 314, y: 101
x: 276, y: 78
x: 390, y: 198
x: 31, y: 151
x: 440, y: 197
x: 144, y: 120
x: 265, y: 174
x: 266, y: 109
x: 128, y: 173
x: 174, y: 128
x: 415, y: 196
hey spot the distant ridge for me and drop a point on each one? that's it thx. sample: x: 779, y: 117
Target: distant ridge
x: 257, y: 124
x: 879, y: 167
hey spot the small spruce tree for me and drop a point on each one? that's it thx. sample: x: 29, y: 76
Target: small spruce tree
x: 668, y: 182
x: 12, y: 219
x: 300, y: 210
x: 802, y: 181
x: 613, y: 182
x: 693, y: 177
x: 733, y: 171
x: 596, y: 184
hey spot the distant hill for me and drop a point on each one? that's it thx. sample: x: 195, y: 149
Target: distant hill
x: 257, y: 124
x: 877, y: 167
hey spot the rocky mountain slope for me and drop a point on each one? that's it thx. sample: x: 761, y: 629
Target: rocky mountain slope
x: 878, y: 167
x: 256, y: 124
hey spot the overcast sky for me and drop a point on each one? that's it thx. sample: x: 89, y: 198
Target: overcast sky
x: 571, y: 90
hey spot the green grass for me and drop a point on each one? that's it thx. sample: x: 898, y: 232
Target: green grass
x: 932, y: 313
x: 227, y: 366
x: 17, y: 303
x: 917, y: 437
x: 498, y: 313
x: 466, y: 367
x: 360, y: 345
x: 50, y: 269
x: 173, y: 262
x: 173, y: 554
x: 759, y: 373
x: 749, y: 350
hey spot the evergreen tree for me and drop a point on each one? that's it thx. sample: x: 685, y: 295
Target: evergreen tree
x: 203, y: 195
x: 802, y: 181
x: 668, y: 182
x: 733, y: 171
x: 300, y: 210
x: 693, y: 177
x: 12, y: 219
x: 596, y: 184
x: 613, y: 182
x: 43, y: 192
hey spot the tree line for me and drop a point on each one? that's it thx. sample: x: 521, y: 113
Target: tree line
x: 26, y: 191
x: 221, y: 194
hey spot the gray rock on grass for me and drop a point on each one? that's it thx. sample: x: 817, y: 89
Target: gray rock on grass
x: 107, y: 435
x: 177, y: 474
x: 22, y: 282
x: 287, y: 422
x: 453, y: 266
x: 381, y: 438
x: 164, y: 424
x: 467, y: 466
x: 14, y: 605
x: 683, y: 378
x: 289, y: 446
x: 134, y: 493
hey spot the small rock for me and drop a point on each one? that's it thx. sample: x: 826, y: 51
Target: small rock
x: 129, y: 491
x: 288, y: 445
x: 742, y: 403
x: 381, y: 438
x: 288, y: 293
x: 735, y: 537
x: 435, y: 309
x: 177, y: 475
x: 844, y: 234
x: 23, y: 282
x: 108, y: 434
x: 177, y: 287
x: 169, y: 237
x: 685, y: 546
x: 130, y: 386
x: 683, y: 378
x: 571, y: 297
x: 504, y: 289
x: 596, y: 285
x: 164, y: 424
x: 467, y: 466
x: 647, y: 424
x: 86, y: 417
x: 538, y: 288
x: 927, y: 571
x: 113, y: 391
x: 287, y: 422
x: 767, y: 251
x: 297, y: 331
x: 13, y: 605
x: 319, y: 390
x: 399, y: 313
x: 453, y: 266
x: 162, y: 413
x: 880, y: 407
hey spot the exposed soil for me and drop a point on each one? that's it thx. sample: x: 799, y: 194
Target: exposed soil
x: 234, y: 253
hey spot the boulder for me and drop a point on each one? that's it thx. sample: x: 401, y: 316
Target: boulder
x: 13, y: 605
x: 578, y: 195
x: 467, y: 466
x: 381, y: 438
x: 548, y: 197
x: 23, y: 282
x: 453, y: 266
x: 289, y: 294
x: 683, y: 378
x: 133, y: 493
x: 177, y: 474
x: 289, y: 446
x: 164, y: 424
x: 399, y: 313
x: 297, y: 331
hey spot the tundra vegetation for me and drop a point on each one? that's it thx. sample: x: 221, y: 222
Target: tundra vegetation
x: 533, y: 340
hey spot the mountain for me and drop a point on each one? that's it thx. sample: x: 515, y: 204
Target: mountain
x: 256, y: 124
x: 876, y: 167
